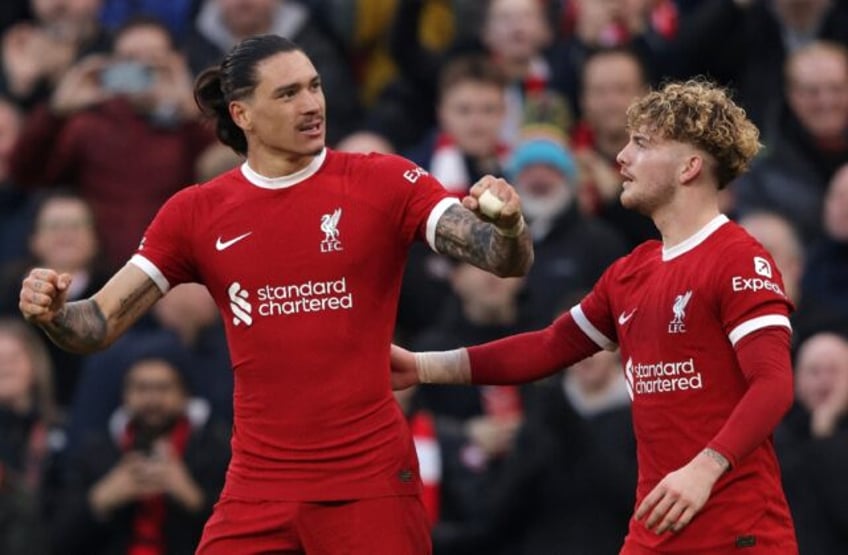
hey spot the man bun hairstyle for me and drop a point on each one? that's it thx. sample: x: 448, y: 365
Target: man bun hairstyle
x: 235, y: 78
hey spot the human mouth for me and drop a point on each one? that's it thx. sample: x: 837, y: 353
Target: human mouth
x: 312, y: 129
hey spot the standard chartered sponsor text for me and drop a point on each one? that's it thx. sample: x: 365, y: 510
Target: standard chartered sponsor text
x: 309, y: 296
x: 665, y: 377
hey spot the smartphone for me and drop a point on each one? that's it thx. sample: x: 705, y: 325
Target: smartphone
x: 127, y: 77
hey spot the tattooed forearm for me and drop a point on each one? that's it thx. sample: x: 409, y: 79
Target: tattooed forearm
x: 136, y: 303
x: 79, y: 327
x: 460, y: 234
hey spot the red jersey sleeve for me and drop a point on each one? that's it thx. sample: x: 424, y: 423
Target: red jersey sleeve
x: 165, y: 253
x: 418, y: 197
x: 594, y: 313
x: 750, y: 291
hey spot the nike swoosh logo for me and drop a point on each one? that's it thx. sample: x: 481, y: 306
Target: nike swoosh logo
x: 624, y: 317
x: 221, y: 245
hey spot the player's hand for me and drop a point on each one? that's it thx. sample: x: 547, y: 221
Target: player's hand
x: 43, y: 295
x: 675, y: 501
x: 404, y: 369
x: 510, y: 213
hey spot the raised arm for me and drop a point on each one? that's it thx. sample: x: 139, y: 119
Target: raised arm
x: 500, y: 244
x: 92, y: 324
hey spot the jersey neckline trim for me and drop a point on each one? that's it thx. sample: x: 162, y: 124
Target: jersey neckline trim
x: 284, y: 181
x: 699, y: 237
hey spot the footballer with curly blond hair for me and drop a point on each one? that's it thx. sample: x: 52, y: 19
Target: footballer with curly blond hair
x: 701, y: 322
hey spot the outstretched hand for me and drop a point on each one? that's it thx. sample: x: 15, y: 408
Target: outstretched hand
x: 404, y: 369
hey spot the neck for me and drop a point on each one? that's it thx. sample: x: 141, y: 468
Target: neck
x: 515, y: 70
x: 276, y: 165
x: 686, y: 214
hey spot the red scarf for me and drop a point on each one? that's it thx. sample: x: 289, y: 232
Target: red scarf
x: 149, y: 520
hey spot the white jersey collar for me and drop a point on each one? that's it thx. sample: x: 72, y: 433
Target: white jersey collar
x: 699, y: 237
x: 286, y: 180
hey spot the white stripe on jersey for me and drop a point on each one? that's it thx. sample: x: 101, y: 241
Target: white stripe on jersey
x: 590, y: 330
x: 152, y: 272
x: 433, y: 219
x: 757, y: 323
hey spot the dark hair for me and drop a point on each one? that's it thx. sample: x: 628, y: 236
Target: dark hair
x: 470, y: 67
x: 140, y: 21
x: 233, y: 79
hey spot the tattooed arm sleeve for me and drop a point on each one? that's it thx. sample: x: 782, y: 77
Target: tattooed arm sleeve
x: 462, y: 235
x: 93, y: 324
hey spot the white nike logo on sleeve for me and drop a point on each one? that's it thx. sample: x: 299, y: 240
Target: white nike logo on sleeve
x: 221, y: 245
x: 624, y: 317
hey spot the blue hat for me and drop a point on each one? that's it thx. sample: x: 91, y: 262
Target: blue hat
x: 542, y: 151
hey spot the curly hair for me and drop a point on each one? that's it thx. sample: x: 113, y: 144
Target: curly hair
x: 702, y: 114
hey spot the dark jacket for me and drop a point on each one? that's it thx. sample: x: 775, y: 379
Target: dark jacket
x: 77, y: 530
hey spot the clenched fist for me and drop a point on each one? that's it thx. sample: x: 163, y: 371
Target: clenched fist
x: 43, y: 294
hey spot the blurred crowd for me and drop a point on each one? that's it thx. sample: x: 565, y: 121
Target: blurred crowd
x: 124, y: 452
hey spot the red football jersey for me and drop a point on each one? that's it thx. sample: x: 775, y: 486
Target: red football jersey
x: 676, y: 314
x: 306, y: 271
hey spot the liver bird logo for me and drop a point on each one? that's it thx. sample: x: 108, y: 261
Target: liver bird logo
x: 330, y: 225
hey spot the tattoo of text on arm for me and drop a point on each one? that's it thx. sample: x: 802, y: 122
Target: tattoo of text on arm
x: 462, y: 235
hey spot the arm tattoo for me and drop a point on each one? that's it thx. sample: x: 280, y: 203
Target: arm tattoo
x: 79, y: 327
x: 717, y: 457
x: 462, y: 235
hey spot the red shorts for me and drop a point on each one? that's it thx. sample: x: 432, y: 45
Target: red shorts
x: 379, y: 526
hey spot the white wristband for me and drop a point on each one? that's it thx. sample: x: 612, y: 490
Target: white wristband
x: 443, y: 367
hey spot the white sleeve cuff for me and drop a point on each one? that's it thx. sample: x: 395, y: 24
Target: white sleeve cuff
x: 152, y: 272
x: 433, y: 219
x: 590, y: 330
x: 758, y: 323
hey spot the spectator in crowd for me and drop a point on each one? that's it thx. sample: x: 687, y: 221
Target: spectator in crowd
x: 568, y: 485
x: 610, y: 80
x: 26, y: 418
x: 122, y: 132
x: 463, y: 148
x: 792, y: 177
x: 746, y: 43
x: 35, y: 55
x: 186, y: 318
x: 15, y: 205
x: 475, y: 426
x: 221, y: 24
x: 812, y: 444
x: 63, y: 236
x: 826, y: 272
x: 146, y: 485
x: 514, y: 34
x: 572, y: 251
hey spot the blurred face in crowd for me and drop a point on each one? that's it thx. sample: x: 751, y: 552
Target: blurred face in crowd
x: 594, y: 374
x: 145, y: 44
x: 64, y: 236
x: 800, y: 15
x: 10, y: 126
x: 472, y: 113
x: 545, y: 191
x: 68, y: 18
x: 817, y: 91
x: 244, y: 18
x: 483, y: 293
x: 836, y: 206
x: 286, y: 110
x: 515, y: 30
x: 610, y: 83
x: 154, y: 394
x: 17, y: 372
x: 822, y: 361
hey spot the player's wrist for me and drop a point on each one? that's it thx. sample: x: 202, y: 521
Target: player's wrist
x: 443, y: 367
x: 513, y: 231
x: 713, y: 462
